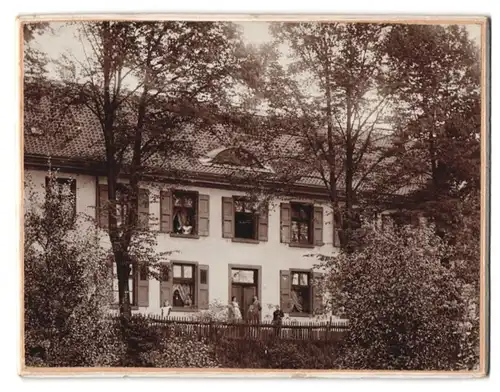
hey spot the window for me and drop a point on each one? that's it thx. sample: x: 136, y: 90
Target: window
x: 122, y: 199
x: 131, y: 282
x: 245, y: 219
x: 183, y: 288
x: 301, y: 292
x: 237, y: 157
x: 243, y: 276
x: 302, y: 223
x: 65, y: 189
x: 185, y: 212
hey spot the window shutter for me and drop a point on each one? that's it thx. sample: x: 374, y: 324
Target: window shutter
x: 165, y: 211
x: 165, y: 285
x: 285, y: 222
x: 143, y: 286
x: 143, y: 209
x: 285, y: 300
x: 318, y: 307
x: 227, y: 217
x: 203, y: 293
x: 203, y: 214
x: 102, y: 207
x: 318, y: 226
x: 263, y: 223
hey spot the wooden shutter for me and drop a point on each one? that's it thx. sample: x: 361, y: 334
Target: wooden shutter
x: 102, y: 207
x: 165, y: 211
x: 203, y: 215
x: 227, y: 217
x: 285, y: 222
x: 203, y: 293
x: 165, y: 284
x: 318, y: 226
x: 317, y: 294
x: 263, y: 224
x: 285, y: 285
x: 143, y: 286
x: 143, y: 209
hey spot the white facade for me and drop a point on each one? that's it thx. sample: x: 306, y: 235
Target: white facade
x: 269, y: 257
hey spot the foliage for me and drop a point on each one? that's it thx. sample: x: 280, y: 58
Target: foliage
x: 406, y: 309
x: 182, y: 352
x: 152, y: 346
x: 66, y: 285
x: 277, y: 354
x: 217, y: 311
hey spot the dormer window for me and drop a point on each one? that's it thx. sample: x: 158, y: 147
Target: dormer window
x: 237, y: 157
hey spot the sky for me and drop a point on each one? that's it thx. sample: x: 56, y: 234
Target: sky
x: 63, y: 39
x: 254, y: 32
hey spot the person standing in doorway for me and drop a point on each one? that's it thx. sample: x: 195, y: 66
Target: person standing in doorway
x: 234, y: 310
x: 254, y: 310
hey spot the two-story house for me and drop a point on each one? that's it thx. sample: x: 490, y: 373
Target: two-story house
x: 224, y: 246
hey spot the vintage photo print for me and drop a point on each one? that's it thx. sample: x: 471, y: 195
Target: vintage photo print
x: 216, y: 195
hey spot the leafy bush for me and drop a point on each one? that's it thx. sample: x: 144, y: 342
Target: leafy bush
x: 278, y: 354
x: 406, y: 309
x: 66, y: 286
x: 182, y: 352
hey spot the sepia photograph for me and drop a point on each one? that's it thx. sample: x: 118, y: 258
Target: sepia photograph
x: 278, y: 195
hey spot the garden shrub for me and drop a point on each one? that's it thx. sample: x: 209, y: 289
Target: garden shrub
x: 277, y: 354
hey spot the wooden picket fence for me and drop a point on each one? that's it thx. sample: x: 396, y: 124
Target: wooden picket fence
x: 331, y: 330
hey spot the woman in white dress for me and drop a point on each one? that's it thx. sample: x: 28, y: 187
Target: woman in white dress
x: 235, y: 311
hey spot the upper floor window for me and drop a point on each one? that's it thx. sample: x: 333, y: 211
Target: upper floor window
x: 301, y: 224
x: 185, y: 212
x: 302, y: 221
x: 243, y: 219
x: 122, y: 203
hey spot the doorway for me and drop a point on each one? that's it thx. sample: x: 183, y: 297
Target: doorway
x: 244, y: 286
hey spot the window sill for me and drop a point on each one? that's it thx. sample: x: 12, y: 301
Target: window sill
x: 184, y: 309
x: 245, y: 240
x: 297, y: 245
x: 191, y: 236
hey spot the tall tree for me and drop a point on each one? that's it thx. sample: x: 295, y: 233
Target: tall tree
x: 147, y: 83
x: 439, y: 122
x: 332, y: 97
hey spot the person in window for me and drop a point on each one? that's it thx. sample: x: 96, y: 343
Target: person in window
x: 189, y: 301
x: 178, y: 302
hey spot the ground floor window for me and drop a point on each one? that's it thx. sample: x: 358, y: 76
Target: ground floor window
x: 116, y: 296
x: 183, y: 288
x: 301, y: 292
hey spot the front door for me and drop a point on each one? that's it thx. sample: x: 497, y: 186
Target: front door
x: 244, y: 287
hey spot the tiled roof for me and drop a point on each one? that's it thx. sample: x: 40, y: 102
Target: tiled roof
x: 75, y: 133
